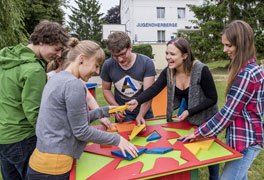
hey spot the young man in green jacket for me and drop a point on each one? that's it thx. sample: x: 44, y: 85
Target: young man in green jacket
x: 22, y: 79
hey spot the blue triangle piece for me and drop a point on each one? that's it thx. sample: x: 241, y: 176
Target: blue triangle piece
x: 183, y: 107
x: 158, y: 150
x: 153, y: 136
x: 128, y: 156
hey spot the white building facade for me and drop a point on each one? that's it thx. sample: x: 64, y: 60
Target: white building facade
x: 156, y: 21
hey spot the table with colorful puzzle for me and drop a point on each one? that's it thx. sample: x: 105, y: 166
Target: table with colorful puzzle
x: 161, y: 154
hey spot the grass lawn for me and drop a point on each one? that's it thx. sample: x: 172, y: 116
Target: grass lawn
x: 255, y: 172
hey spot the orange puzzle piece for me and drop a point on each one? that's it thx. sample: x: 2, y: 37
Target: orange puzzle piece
x: 122, y: 127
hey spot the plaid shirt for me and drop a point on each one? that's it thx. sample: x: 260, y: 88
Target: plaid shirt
x: 242, y: 112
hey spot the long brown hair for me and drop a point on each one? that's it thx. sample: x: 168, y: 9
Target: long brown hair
x: 240, y: 35
x: 184, y: 46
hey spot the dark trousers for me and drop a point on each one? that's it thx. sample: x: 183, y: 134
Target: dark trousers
x: 34, y: 175
x: 213, y: 172
x: 14, y: 158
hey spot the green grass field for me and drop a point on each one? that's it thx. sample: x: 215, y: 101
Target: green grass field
x: 255, y: 172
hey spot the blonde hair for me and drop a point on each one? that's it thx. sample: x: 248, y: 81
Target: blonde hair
x: 86, y: 47
x: 240, y: 35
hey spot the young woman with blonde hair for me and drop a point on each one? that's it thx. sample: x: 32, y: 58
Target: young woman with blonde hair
x: 58, y: 65
x: 63, y: 123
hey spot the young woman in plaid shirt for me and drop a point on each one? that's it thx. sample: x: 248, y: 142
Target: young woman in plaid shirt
x: 243, y: 110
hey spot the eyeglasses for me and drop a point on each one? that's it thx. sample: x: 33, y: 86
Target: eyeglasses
x: 122, y: 55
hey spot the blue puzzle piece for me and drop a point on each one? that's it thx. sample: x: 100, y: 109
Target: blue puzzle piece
x: 183, y: 107
x: 153, y: 136
x: 158, y: 150
x: 128, y: 156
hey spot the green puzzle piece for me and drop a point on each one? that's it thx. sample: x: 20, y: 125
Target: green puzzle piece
x: 155, y: 122
x: 98, y: 163
x: 172, y: 141
x: 148, y: 160
x: 181, y: 132
x: 141, y: 141
x: 215, y: 151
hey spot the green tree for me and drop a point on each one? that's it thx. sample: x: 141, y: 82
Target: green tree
x: 37, y: 10
x: 212, y: 17
x: 11, y: 23
x: 251, y: 12
x: 113, y: 15
x: 86, y: 21
x: 206, y: 42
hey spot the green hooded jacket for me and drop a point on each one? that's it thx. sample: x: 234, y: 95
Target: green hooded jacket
x: 22, y: 79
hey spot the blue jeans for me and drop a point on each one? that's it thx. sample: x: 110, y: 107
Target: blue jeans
x: 14, y: 158
x: 238, y: 169
x: 34, y: 175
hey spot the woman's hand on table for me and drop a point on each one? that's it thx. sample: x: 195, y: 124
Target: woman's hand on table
x: 182, y: 117
x: 125, y: 145
x: 187, y: 138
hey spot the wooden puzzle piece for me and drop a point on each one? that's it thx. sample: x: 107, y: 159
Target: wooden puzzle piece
x: 196, y: 146
x: 183, y: 107
x: 153, y: 136
x: 123, y: 127
x: 136, y: 130
x: 149, y: 160
x: 206, y: 144
x: 159, y: 150
x: 181, y: 132
x: 118, y: 109
x: 192, y: 148
x: 128, y: 156
x: 172, y: 141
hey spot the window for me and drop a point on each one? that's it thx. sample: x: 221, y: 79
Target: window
x: 161, y: 36
x: 181, y: 13
x: 160, y: 12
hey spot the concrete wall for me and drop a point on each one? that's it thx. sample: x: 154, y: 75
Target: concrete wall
x: 159, y: 55
x: 142, y: 24
x: 109, y: 28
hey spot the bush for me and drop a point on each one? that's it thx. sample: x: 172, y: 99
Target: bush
x: 107, y: 53
x: 145, y: 49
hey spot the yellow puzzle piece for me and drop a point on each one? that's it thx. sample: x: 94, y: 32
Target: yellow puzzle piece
x: 136, y: 130
x: 196, y: 146
x: 119, y: 108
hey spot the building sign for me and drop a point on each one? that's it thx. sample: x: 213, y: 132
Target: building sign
x: 157, y: 25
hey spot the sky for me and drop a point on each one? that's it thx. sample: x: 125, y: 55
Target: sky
x: 105, y: 5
